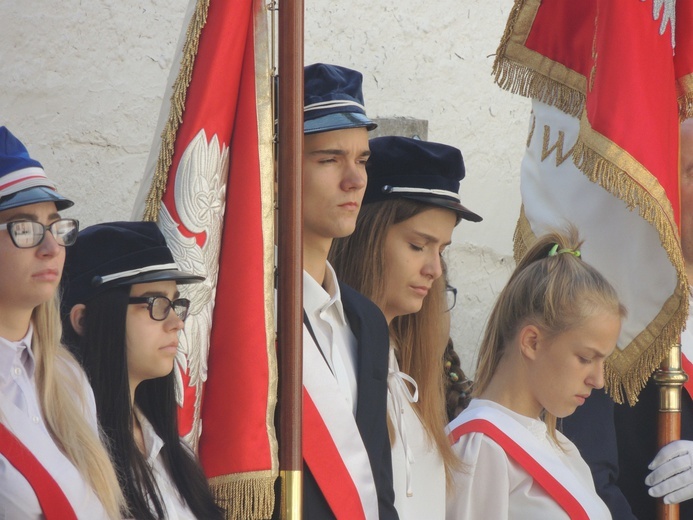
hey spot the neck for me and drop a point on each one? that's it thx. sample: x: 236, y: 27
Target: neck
x: 315, y: 258
x: 508, y: 387
x: 14, y: 323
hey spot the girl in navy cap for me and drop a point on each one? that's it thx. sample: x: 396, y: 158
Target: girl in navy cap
x: 52, y: 462
x: 122, y: 313
x: 410, y: 209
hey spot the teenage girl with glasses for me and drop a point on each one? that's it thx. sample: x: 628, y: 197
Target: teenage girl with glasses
x: 122, y: 314
x: 52, y: 462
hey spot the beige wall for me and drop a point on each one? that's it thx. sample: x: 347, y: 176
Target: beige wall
x: 82, y: 82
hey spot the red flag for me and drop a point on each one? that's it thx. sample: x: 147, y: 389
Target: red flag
x: 214, y: 181
x: 603, y: 153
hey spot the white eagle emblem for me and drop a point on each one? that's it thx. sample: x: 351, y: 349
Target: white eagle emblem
x: 200, y: 198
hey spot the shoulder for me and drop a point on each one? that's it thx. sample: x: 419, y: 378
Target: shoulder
x: 352, y: 297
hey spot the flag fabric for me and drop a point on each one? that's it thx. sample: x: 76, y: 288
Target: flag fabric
x: 209, y: 185
x: 609, y: 82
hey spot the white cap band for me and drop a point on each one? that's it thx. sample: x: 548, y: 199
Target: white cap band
x: 444, y: 193
x: 134, y: 272
x: 336, y: 103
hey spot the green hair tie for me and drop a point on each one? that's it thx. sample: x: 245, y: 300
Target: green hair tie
x: 555, y: 251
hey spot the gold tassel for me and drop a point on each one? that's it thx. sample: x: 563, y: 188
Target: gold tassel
x: 685, y: 95
x: 248, y: 496
x: 651, y: 345
x: 519, y: 70
x: 175, y: 117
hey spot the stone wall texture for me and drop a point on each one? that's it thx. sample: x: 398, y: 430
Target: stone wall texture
x: 82, y: 85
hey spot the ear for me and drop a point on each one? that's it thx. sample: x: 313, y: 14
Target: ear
x: 77, y: 318
x: 528, y: 339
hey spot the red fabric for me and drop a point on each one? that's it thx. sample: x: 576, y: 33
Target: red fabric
x: 52, y: 500
x: 688, y: 369
x: 221, y: 100
x: 542, y: 477
x: 327, y: 466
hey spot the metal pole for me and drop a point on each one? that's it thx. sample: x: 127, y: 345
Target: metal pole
x: 669, y: 377
x: 290, y: 250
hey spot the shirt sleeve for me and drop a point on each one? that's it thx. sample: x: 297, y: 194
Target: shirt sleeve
x: 481, y: 487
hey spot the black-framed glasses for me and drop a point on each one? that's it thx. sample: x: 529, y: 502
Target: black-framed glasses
x: 160, y: 306
x: 26, y: 234
x: 450, y: 297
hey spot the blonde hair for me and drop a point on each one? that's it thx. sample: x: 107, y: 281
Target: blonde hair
x: 56, y: 387
x: 359, y: 262
x: 556, y: 293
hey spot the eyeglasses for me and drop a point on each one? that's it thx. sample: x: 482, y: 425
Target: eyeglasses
x: 450, y: 297
x: 160, y: 306
x: 27, y: 233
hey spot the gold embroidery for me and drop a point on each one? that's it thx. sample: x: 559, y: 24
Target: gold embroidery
x: 558, y: 146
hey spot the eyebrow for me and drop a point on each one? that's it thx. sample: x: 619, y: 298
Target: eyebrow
x: 147, y: 294
x: 337, y: 151
x: 430, y: 238
x: 32, y: 217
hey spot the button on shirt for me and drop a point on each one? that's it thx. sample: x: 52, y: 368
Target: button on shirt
x: 323, y: 306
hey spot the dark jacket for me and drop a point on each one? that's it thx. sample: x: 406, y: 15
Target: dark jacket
x: 370, y: 329
x: 618, y: 442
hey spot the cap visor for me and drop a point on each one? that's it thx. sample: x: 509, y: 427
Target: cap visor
x: 338, y: 121
x: 446, y: 203
x: 35, y: 195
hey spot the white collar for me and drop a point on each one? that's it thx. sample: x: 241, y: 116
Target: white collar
x: 11, y: 349
x: 318, y: 298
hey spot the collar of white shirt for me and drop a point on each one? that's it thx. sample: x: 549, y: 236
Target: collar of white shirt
x: 317, y: 298
x: 11, y: 350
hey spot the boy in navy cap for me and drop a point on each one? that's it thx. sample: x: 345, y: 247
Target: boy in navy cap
x: 348, y: 469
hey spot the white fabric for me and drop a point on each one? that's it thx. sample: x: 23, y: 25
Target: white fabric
x: 555, y: 193
x: 335, y: 411
x: 23, y: 179
x: 174, y: 504
x: 417, y: 467
x: 493, y: 486
x: 323, y: 305
x: 20, y: 413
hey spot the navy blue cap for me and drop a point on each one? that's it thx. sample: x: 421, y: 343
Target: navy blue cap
x: 115, y: 254
x: 400, y: 167
x: 332, y: 99
x: 22, y: 179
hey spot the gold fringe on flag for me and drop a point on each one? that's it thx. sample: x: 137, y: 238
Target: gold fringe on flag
x: 627, y: 371
x: 685, y: 97
x: 522, y: 71
x: 246, y: 496
x: 175, y: 117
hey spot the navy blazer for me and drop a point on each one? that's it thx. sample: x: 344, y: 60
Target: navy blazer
x: 373, y: 343
x: 618, y: 442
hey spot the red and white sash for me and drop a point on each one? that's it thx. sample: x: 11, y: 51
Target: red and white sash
x: 547, y: 470
x: 53, y: 502
x: 332, y: 444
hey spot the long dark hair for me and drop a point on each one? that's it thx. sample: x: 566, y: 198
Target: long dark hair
x: 102, y: 351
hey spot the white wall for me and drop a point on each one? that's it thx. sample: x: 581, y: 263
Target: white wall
x: 82, y: 82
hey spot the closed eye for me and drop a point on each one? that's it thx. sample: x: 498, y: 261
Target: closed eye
x: 415, y: 247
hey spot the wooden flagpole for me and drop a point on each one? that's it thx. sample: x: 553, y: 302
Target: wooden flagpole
x: 290, y: 251
x: 669, y: 377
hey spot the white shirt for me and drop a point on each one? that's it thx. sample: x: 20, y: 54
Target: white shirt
x: 493, y: 486
x: 175, y: 507
x: 21, y: 414
x: 323, y: 306
x: 417, y: 467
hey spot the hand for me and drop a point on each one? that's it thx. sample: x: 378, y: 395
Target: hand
x: 672, y: 473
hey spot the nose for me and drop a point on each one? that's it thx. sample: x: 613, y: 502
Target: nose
x: 433, y: 268
x: 354, y: 176
x: 49, y: 247
x: 173, y: 322
x: 596, y: 377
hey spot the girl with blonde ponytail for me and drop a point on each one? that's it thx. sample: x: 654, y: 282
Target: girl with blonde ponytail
x: 52, y: 462
x: 543, y: 352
